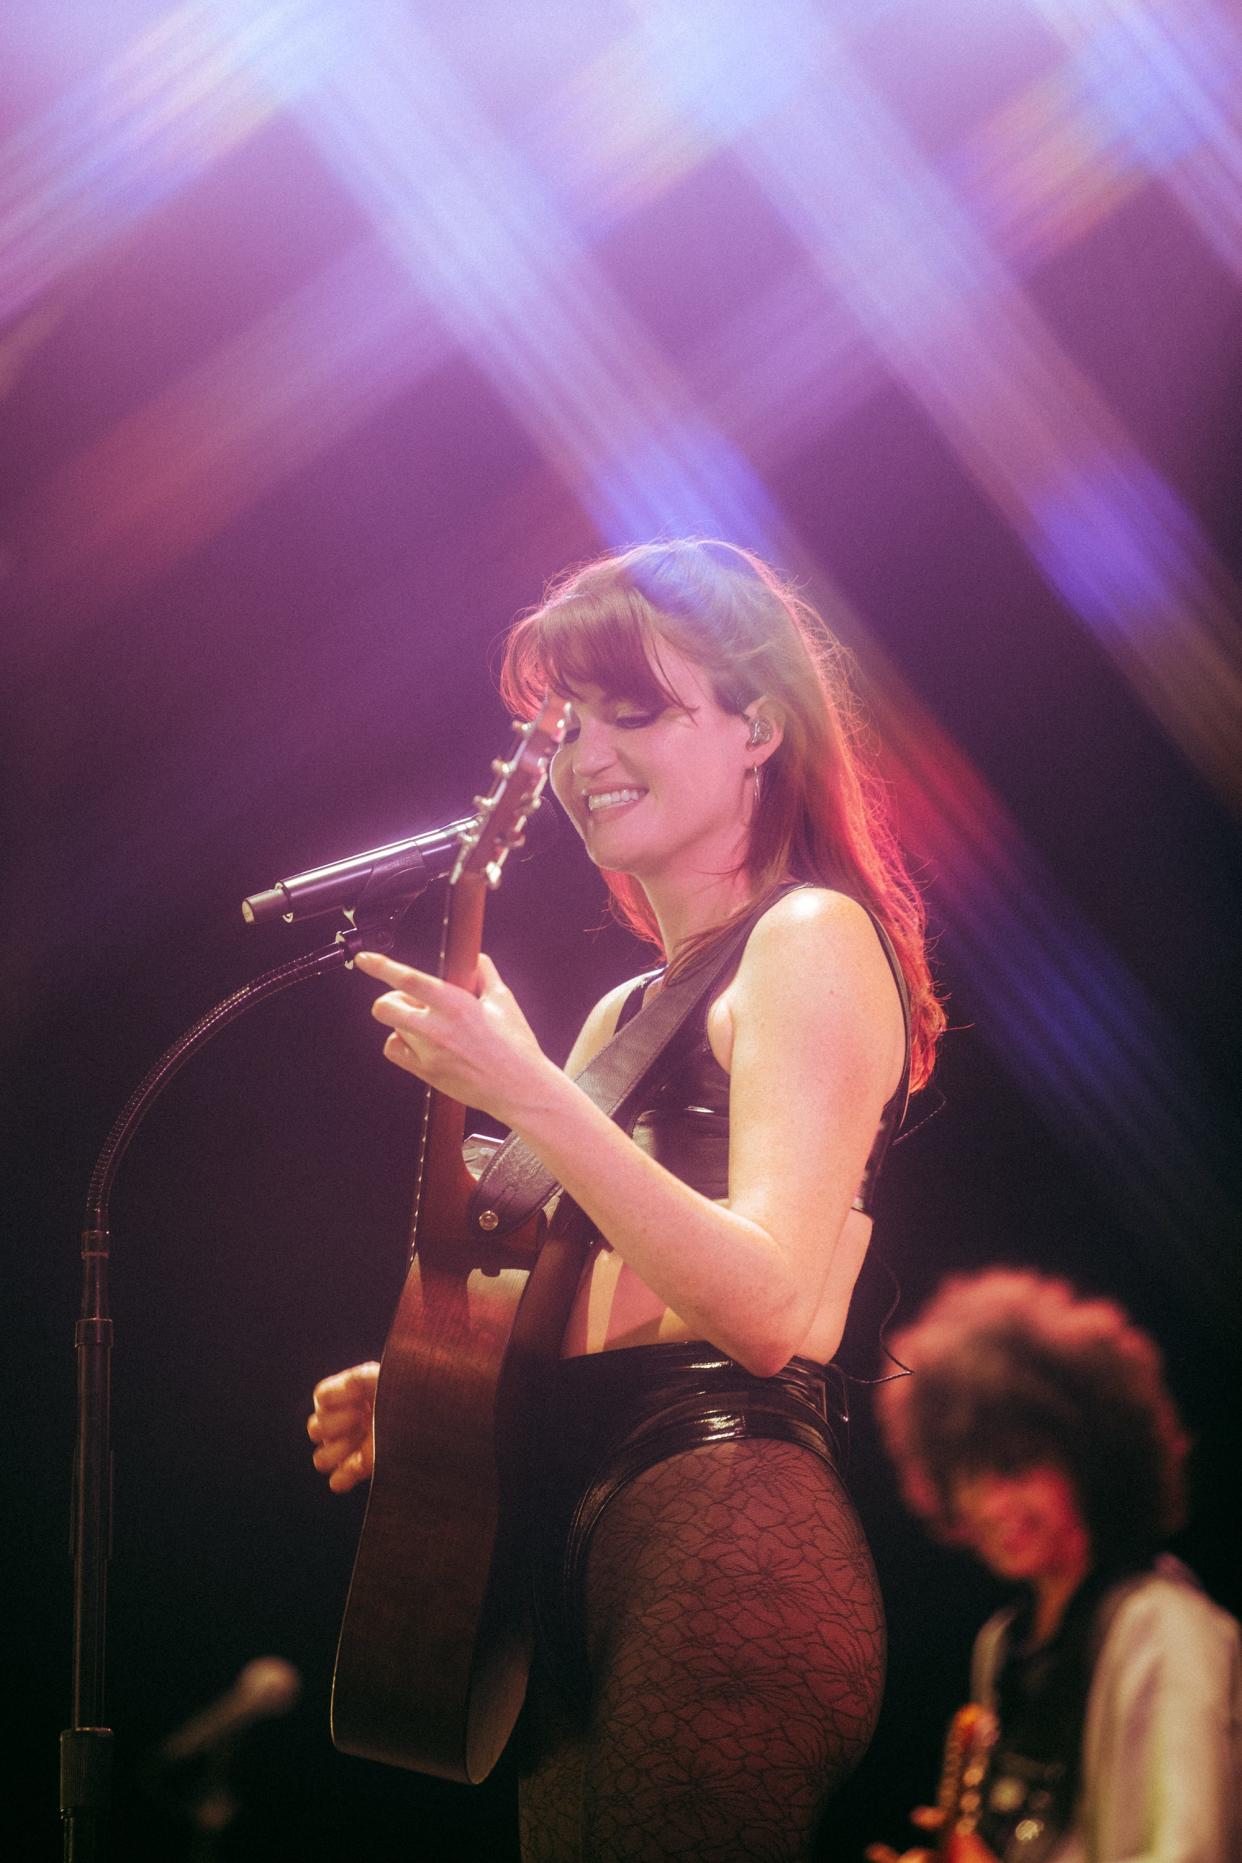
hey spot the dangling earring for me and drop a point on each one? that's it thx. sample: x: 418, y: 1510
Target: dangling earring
x: 760, y: 733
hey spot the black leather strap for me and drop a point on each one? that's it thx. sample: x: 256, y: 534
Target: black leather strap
x: 515, y: 1183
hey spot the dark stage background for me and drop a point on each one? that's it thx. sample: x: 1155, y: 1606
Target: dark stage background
x: 327, y: 333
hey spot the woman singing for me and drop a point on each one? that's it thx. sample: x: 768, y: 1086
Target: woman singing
x: 710, y: 1640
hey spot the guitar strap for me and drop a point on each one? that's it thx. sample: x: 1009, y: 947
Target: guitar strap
x: 515, y: 1183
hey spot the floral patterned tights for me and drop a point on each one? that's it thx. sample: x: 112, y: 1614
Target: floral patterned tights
x: 735, y: 1636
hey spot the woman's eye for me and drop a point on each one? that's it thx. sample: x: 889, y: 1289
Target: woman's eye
x: 620, y: 721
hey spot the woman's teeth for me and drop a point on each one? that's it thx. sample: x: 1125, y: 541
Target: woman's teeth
x: 609, y: 798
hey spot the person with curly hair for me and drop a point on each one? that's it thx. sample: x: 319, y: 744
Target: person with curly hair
x: 1037, y: 1431
x: 709, y: 1631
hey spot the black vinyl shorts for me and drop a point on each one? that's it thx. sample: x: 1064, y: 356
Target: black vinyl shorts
x: 605, y: 1417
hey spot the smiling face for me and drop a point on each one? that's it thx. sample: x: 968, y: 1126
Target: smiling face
x: 1025, y: 1527
x: 658, y: 792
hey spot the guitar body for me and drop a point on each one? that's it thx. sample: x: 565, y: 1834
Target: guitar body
x: 433, y: 1652
x: 434, y: 1648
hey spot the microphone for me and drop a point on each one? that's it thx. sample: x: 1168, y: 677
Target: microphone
x: 383, y: 875
x: 267, y: 1686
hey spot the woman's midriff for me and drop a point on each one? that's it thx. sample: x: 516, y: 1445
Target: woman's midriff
x: 613, y: 1307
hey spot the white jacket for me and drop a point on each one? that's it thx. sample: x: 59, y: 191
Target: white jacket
x: 1162, y: 1744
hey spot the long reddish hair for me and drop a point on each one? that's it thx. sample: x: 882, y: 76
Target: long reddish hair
x: 822, y: 816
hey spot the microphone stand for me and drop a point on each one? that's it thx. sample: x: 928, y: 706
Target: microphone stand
x: 86, y: 1746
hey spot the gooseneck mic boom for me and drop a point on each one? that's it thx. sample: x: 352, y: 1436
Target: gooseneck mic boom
x: 383, y: 875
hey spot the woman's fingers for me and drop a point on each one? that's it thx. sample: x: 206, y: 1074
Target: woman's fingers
x: 353, y: 1469
x: 330, y: 1455
x: 419, y: 984
x: 344, y: 1426
x: 344, y: 1466
x: 388, y: 970
x: 341, y: 1420
x: 397, y: 1049
x: 406, y: 1004
x: 349, y: 1388
x: 345, y: 1459
x: 340, y: 1425
x: 470, y: 1043
x: 338, y: 1436
x: 398, y: 1010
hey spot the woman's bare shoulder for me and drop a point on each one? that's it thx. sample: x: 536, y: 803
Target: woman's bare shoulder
x: 813, y: 921
x: 813, y: 956
x: 812, y: 959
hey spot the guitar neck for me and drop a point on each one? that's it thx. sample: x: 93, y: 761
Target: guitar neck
x: 971, y: 1737
x: 444, y: 1184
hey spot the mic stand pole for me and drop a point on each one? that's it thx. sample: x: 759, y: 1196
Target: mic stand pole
x: 86, y: 1746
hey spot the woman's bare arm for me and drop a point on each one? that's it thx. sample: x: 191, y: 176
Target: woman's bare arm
x: 814, y: 1034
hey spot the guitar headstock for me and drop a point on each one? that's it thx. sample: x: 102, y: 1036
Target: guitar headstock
x: 513, y: 797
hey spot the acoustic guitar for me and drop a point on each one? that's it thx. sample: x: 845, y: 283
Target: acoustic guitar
x: 434, y: 1647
